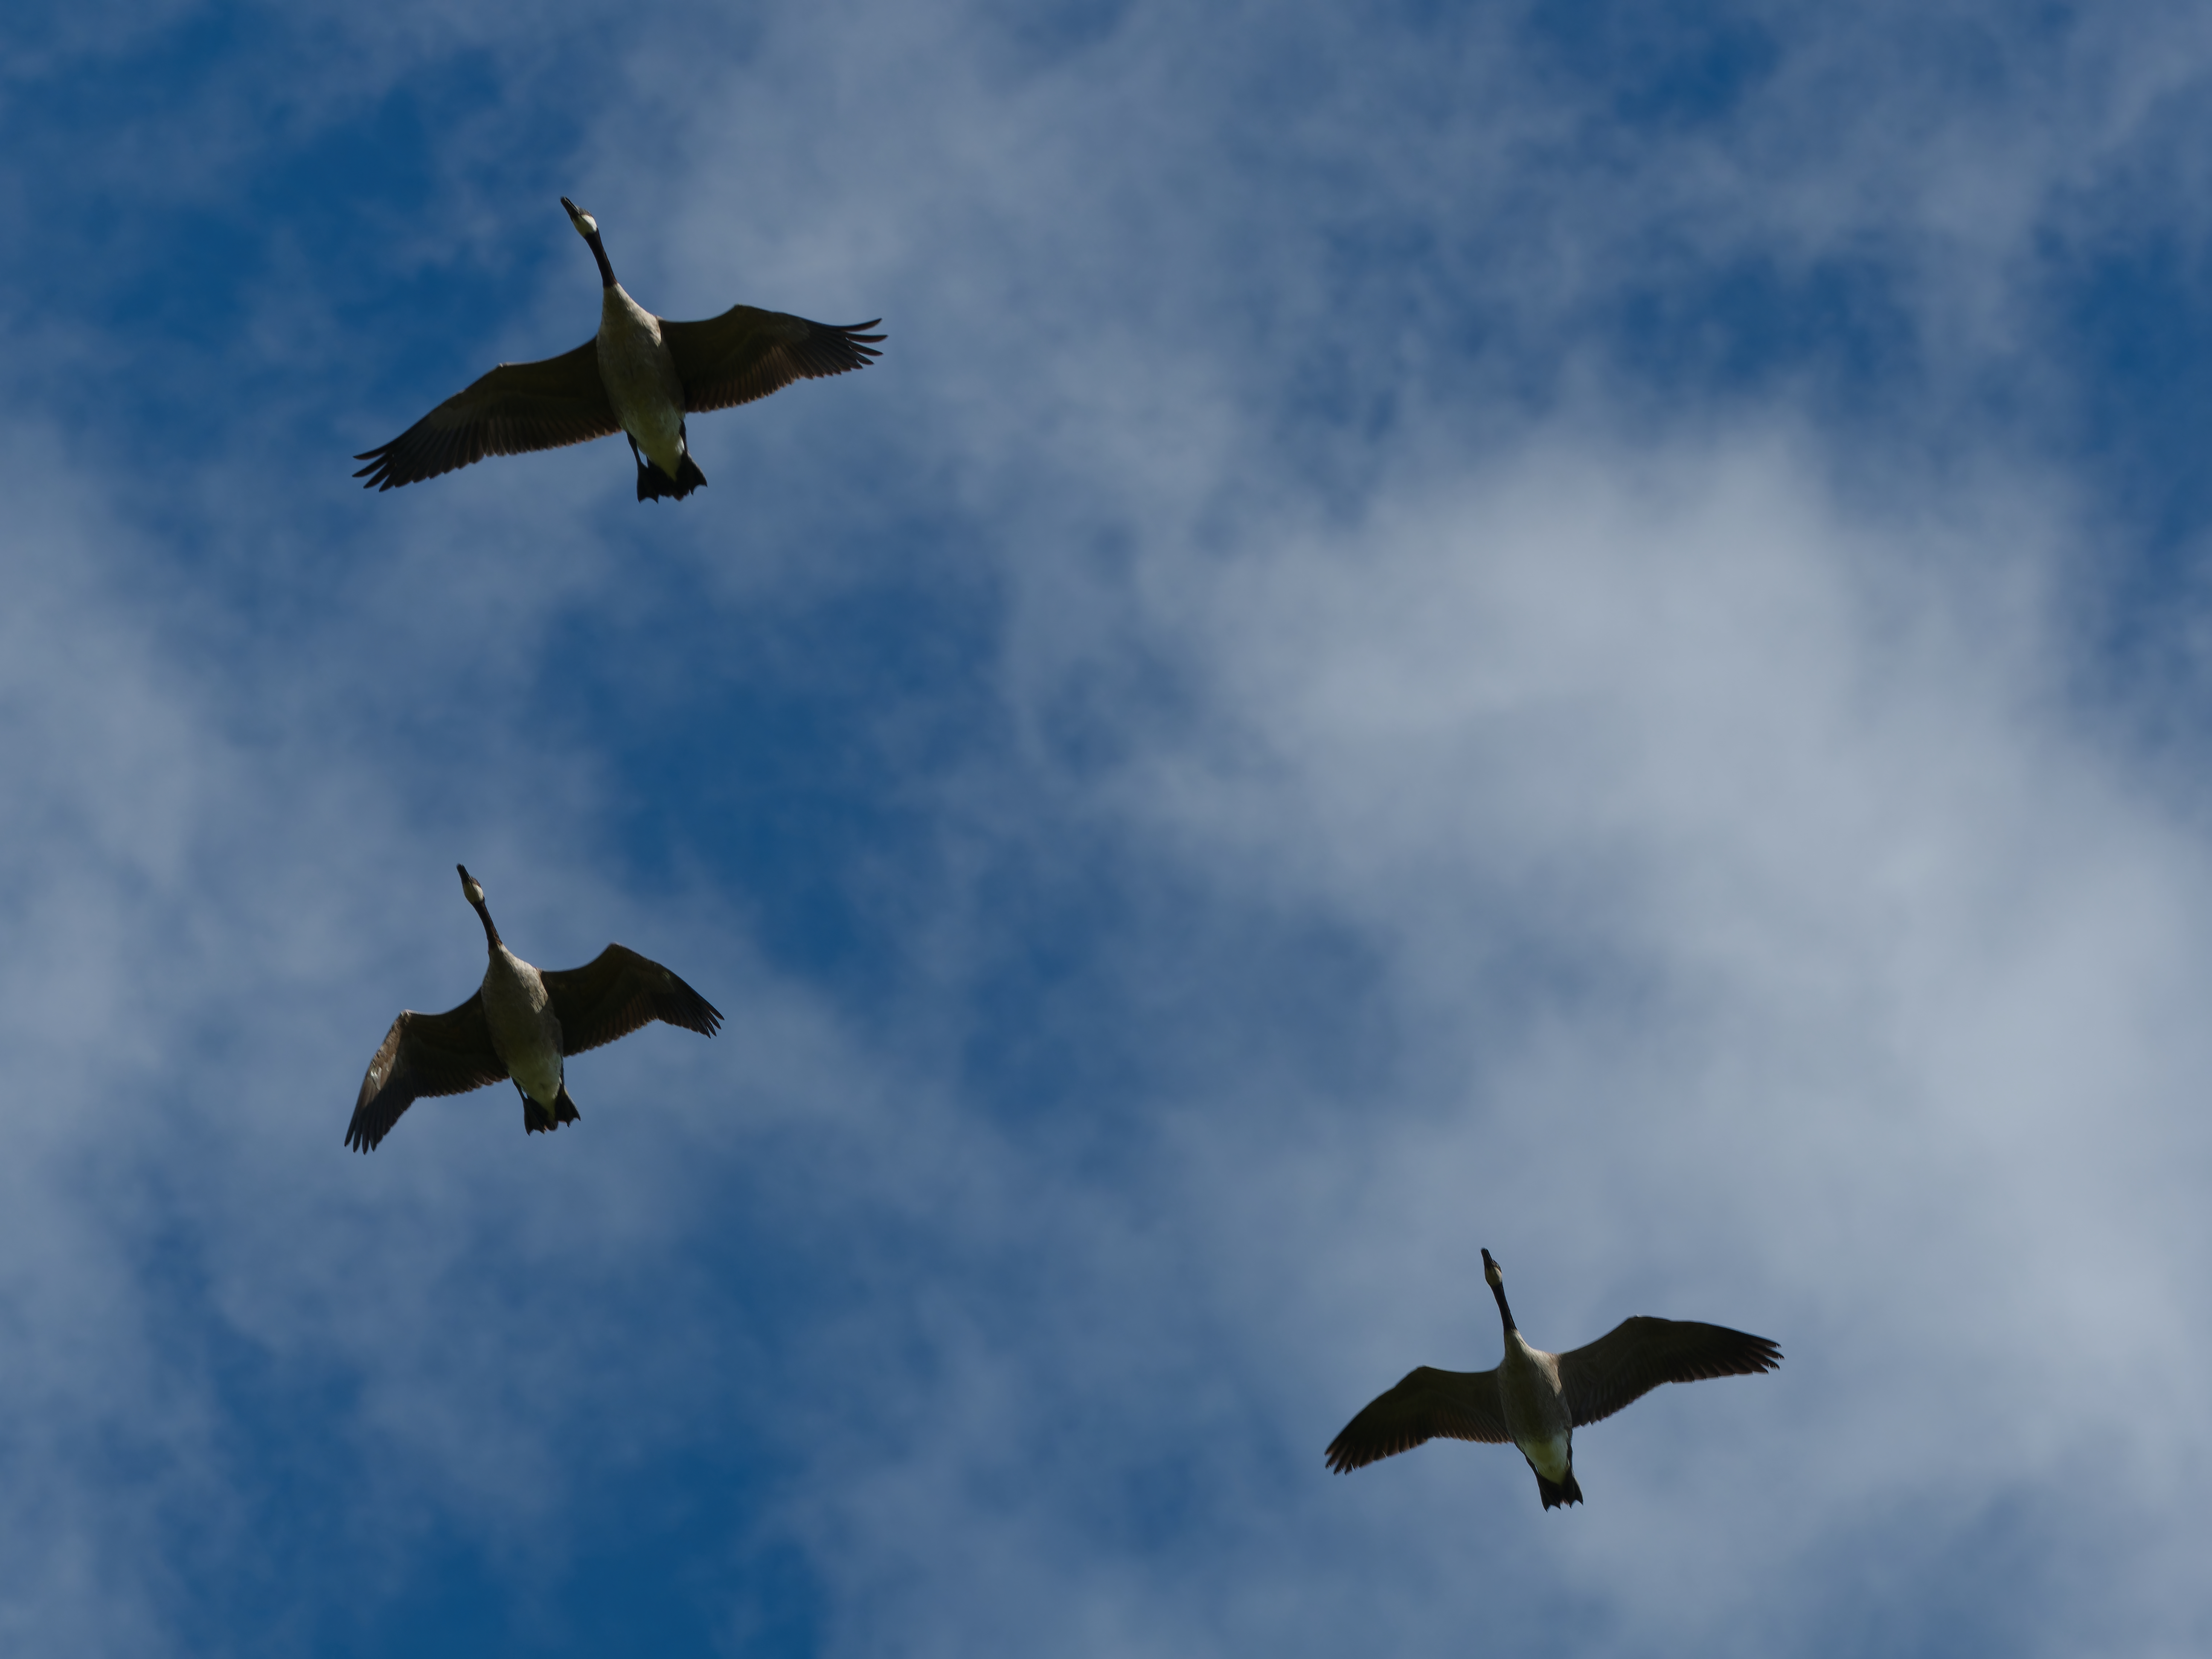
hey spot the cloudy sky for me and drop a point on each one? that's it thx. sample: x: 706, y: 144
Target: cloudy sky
x: 1572, y: 626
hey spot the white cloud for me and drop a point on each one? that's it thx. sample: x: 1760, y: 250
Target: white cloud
x: 1769, y: 944
x: 1689, y: 836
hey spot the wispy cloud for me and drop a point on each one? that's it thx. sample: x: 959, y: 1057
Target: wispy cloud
x: 1433, y: 633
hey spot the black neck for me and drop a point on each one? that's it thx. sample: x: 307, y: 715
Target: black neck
x: 483, y: 914
x: 606, y: 270
x: 1497, y: 1290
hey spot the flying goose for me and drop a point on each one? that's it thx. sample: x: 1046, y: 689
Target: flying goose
x: 640, y: 375
x: 521, y: 1025
x: 1537, y: 1401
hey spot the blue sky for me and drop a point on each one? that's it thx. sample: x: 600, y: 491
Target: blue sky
x: 1576, y: 628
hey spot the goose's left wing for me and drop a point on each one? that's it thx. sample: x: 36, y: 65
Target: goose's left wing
x: 1639, y: 1354
x: 617, y: 991
x: 748, y: 352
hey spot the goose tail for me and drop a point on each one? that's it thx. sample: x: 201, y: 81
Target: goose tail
x: 537, y: 1119
x: 1556, y: 1493
x: 652, y: 484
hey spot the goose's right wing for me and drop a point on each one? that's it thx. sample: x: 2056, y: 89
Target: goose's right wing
x: 1458, y: 1405
x: 1639, y: 1354
x: 448, y: 1053
x: 516, y: 408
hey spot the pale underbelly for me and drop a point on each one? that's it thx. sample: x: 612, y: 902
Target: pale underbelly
x: 538, y: 1073
x: 647, y: 398
x: 1548, y: 1457
x: 659, y: 433
x: 524, y: 1031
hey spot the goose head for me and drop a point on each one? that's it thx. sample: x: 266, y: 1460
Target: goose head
x: 473, y: 890
x: 588, y: 228
x: 1496, y: 1275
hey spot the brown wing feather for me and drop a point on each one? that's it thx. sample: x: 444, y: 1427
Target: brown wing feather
x: 1639, y: 1354
x: 448, y: 1053
x: 516, y: 408
x: 748, y: 352
x: 617, y: 991
x: 1458, y: 1404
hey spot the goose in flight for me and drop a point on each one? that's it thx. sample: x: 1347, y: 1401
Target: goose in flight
x: 522, y: 1024
x: 640, y: 375
x: 1536, y: 1400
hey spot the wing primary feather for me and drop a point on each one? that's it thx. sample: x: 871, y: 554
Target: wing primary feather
x: 1427, y: 1403
x: 747, y: 354
x: 1640, y: 1353
x: 514, y: 408
x: 617, y: 991
x: 446, y: 1054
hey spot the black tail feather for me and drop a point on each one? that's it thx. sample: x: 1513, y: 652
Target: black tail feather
x: 652, y: 484
x: 535, y: 1120
x: 1556, y: 1493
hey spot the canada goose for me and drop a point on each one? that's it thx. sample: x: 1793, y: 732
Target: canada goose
x: 521, y: 1025
x: 1537, y: 1399
x: 640, y: 375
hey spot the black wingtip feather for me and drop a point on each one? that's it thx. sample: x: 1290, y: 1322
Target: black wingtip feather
x: 1343, y: 1459
x: 689, y: 1010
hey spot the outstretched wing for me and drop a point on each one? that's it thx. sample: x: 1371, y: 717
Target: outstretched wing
x: 747, y: 353
x: 617, y: 991
x: 516, y: 408
x: 1639, y: 1354
x: 1458, y: 1405
x: 448, y: 1053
